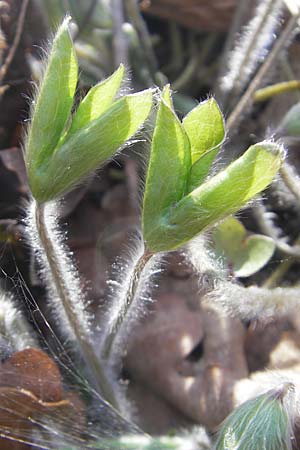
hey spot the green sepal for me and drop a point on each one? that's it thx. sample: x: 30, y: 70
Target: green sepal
x: 244, y: 253
x: 261, y: 423
x: 54, y: 102
x: 97, y: 101
x: 168, y: 166
x: 206, y: 131
x: 205, y: 128
x: 220, y: 196
x: 91, y: 146
x: 167, y: 97
x: 200, y: 169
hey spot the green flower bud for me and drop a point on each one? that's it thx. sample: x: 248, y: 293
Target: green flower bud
x: 60, y: 152
x: 174, y: 209
x: 261, y: 423
x: 91, y: 146
x: 169, y: 165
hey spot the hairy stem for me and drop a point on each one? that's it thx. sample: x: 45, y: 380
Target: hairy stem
x: 65, y: 295
x: 243, y: 9
x: 247, y: 99
x: 130, y: 295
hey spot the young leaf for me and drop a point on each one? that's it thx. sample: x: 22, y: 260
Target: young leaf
x: 97, y: 101
x: 91, y: 146
x: 168, y: 167
x: 54, y: 102
x: 206, y: 130
x: 220, y: 196
x: 261, y: 423
x: 244, y: 254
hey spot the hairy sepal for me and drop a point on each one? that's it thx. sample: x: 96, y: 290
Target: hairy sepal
x: 168, y: 166
x: 220, y: 196
x: 205, y: 128
x: 92, y: 146
x: 260, y: 423
x: 97, y: 101
x: 53, y: 103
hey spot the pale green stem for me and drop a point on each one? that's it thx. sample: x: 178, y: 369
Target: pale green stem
x: 277, y: 275
x: 276, y: 89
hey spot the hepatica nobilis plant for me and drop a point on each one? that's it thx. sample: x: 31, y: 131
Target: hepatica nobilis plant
x: 181, y: 197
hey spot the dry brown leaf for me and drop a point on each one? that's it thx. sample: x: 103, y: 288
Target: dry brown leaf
x: 31, y: 396
x: 33, y: 370
x: 200, y: 15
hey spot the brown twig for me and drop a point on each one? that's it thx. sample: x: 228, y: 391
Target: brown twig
x: 20, y: 24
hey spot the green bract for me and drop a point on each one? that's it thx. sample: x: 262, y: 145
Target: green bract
x: 61, y: 150
x: 261, y: 423
x: 179, y: 202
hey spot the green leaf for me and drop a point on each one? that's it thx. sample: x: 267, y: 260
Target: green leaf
x: 206, y: 130
x: 168, y: 166
x: 261, y: 423
x: 92, y: 146
x: 245, y: 254
x: 97, y: 101
x: 219, y: 197
x: 54, y: 102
